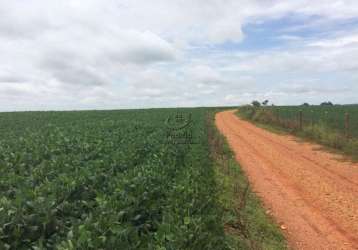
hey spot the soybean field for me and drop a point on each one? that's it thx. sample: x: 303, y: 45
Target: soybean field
x: 131, y: 179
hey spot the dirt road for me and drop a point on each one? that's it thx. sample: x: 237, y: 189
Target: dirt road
x: 311, y: 193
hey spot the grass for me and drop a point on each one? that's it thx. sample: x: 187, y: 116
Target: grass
x: 333, y: 117
x: 247, y: 225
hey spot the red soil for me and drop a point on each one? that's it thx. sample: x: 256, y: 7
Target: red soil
x: 312, y: 194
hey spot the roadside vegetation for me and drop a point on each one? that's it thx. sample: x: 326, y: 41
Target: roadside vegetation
x: 247, y: 224
x: 330, y: 125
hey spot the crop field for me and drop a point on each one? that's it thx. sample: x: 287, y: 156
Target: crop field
x: 333, y: 117
x: 107, y: 180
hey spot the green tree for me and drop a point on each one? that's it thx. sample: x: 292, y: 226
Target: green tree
x: 327, y: 104
x: 256, y: 103
x: 265, y: 102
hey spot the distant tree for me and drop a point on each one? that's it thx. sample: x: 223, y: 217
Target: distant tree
x: 326, y: 104
x: 265, y: 102
x: 305, y: 104
x: 256, y: 103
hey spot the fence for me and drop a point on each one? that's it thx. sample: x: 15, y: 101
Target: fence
x: 342, y: 121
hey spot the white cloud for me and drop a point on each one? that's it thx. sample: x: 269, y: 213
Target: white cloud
x: 204, y: 74
x: 337, y: 42
x: 94, y: 54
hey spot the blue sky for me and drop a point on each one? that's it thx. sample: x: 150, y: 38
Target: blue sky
x: 133, y: 54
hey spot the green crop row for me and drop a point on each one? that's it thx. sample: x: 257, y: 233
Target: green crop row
x: 106, y: 180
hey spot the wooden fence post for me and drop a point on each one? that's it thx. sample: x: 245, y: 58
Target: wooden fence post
x: 312, y: 122
x: 300, y: 120
x: 277, y: 117
x: 346, y: 124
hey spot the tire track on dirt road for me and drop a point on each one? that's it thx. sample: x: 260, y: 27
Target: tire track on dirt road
x: 312, y: 193
x: 329, y: 166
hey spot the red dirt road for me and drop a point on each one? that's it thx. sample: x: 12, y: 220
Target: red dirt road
x: 312, y: 194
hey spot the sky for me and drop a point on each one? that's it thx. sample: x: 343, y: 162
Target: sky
x: 114, y: 54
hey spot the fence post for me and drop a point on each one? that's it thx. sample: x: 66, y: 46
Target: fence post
x: 301, y: 119
x: 277, y: 117
x: 312, y: 118
x: 346, y: 124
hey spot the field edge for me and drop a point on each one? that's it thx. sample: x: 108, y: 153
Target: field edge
x: 247, y: 223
